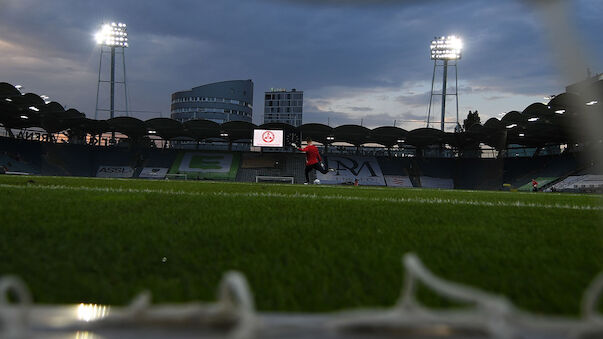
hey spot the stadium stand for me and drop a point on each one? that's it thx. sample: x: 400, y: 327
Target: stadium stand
x: 21, y: 156
x: 542, y: 181
x: 578, y: 183
x: 520, y: 171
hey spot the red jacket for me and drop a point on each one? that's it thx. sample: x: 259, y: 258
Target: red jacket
x: 312, y: 156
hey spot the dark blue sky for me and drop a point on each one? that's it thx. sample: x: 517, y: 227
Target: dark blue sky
x: 354, y: 60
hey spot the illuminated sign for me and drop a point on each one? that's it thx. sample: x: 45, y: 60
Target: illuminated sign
x: 267, y: 138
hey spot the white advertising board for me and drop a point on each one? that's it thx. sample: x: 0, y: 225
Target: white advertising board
x: 114, y: 172
x: 153, y: 173
x: 350, y: 168
x: 397, y: 181
x: 267, y: 138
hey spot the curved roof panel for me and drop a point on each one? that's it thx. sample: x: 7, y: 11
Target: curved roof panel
x: 536, y: 109
x: 567, y: 100
x: 165, y: 128
x: 7, y: 90
x: 388, y: 135
x: 132, y: 127
x: 238, y: 130
x: 318, y: 132
x: 424, y: 137
x: 354, y: 134
x: 202, y: 129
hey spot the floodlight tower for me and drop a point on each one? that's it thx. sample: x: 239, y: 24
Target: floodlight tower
x: 445, y: 49
x: 112, y: 36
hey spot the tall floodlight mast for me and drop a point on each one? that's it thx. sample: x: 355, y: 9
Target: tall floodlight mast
x: 445, y: 51
x: 111, y: 37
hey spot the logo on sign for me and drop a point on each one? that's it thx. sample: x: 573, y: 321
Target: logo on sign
x: 268, y: 136
x: 347, y: 169
x: 353, y: 166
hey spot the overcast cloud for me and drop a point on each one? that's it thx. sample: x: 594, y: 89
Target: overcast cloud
x: 355, y: 60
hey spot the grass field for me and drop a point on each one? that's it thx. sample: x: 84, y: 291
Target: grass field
x: 302, y: 248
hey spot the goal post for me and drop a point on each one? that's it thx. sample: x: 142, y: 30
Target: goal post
x: 176, y: 176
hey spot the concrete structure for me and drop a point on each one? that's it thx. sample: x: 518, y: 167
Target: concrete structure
x: 284, y: 106
x: 220, y: 102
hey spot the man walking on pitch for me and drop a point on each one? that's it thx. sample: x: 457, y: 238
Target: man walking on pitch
x: 313, y: 159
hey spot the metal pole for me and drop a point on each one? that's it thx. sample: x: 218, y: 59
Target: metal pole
x: 100, y: 63
x: 456, y: 90
x: 123, y: 55
x: 444, y: 94
x: 112, y: 109
x: 431, y: 95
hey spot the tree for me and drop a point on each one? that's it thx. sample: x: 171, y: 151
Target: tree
x: 472, y: 149
x: 472, y: 119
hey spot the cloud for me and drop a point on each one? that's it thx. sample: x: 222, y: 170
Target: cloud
x: 414, y: 100
x: 359, y: 109
x: 350, y: 57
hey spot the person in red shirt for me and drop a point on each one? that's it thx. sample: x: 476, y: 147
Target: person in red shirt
x: 313, y: 159
x: 534, y: 185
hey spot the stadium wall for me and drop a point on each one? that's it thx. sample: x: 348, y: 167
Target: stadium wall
x: 57, y: 159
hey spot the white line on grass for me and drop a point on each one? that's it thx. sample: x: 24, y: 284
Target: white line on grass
x: 438, y: 201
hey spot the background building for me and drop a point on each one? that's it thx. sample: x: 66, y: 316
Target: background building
x: 281, y: 105
x: 220, y: 102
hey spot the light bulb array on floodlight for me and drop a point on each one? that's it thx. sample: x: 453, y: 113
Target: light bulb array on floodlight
x: 446, y: 48
x: 112, y: 35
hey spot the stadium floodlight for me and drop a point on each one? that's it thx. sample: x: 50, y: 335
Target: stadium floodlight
x: 8, y: 100
x: 24, y: 117
x: 33, y: 108
x: 446, y: 48
x: 400, y: 141
x: 560, y: 111
x: 590, y: 103
x: 533, y: 119
x: 511, y: 125
x: 151, y: 131
x: 112, y: 35
x: 223, y: 134
x: 330, y: 138
x: 522, y: 135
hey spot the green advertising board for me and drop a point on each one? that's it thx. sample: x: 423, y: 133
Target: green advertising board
x: 206, y: 165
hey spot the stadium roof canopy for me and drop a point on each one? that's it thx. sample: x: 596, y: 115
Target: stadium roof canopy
x: 558, y: 122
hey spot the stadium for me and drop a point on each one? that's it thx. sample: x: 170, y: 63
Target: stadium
x: 543, y: 142
x: 129, y: 228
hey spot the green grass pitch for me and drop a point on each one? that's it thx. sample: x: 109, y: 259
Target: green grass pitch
x: 302, y: 248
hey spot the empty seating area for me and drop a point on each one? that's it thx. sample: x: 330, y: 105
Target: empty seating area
x: 579, y: 183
